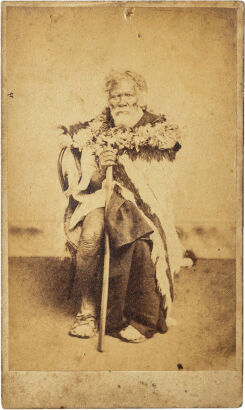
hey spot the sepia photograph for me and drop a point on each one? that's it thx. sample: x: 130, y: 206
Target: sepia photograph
x: 122, y: 204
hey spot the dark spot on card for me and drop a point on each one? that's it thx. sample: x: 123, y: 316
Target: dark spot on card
x: 179, y: 365
x: 198, y: 230
x: 32, y: 231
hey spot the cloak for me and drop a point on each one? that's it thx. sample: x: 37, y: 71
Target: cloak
x: 143, y: 178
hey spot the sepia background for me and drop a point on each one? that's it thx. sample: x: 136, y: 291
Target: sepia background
x: 57, y: 59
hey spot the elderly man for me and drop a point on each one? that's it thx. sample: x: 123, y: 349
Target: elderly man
x: 145, y: 249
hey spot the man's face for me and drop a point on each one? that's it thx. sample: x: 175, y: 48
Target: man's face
x: 123, y: 101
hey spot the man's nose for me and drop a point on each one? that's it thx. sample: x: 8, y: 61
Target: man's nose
x: 122, y: 100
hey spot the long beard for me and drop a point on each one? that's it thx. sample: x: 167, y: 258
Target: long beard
x: 128, y: 118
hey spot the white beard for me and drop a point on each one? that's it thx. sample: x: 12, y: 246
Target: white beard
x: 128, y: 118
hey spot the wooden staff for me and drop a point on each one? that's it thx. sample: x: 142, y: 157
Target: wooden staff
x: 105, y: 285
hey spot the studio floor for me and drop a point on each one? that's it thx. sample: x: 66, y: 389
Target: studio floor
x: 40, y: 316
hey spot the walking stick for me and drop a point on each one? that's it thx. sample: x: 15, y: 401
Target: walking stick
x: 105, y: 285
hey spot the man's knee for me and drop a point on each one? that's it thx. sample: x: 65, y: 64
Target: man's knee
x: 92, y: 236
x: 89, y: 242
x: 88, y: 252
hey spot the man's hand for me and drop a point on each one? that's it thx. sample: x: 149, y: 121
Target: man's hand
x: 107, y: 158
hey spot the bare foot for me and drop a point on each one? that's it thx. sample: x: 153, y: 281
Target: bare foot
x: 84, y: 327
x: 130, y: 334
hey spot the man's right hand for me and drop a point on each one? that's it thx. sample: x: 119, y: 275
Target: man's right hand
x: 107, y: 158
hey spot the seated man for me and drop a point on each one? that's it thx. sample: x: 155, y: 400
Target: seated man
x: 145, y: 251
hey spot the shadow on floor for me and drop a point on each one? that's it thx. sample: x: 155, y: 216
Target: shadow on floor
x: 40, y: 315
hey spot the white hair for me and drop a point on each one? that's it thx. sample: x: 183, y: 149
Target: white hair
x: 115, y: 77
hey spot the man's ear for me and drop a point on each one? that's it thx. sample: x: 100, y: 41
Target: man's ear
x: 142, y: 100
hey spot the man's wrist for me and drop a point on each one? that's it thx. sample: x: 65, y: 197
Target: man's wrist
x: 97, y: 178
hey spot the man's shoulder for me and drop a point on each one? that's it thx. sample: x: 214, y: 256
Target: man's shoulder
x: 74, y: 128
x: 150, y: 118
x: 99, y: 119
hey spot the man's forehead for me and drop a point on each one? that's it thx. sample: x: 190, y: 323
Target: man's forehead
x: 123, y: 86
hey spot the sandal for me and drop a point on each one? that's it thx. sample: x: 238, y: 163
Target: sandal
x: 83, y: 327
x: 128, y: 335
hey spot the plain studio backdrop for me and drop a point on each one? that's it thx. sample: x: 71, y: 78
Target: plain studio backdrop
x: 57, y: 59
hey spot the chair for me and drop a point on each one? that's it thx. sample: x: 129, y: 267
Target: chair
x: 64, y: 186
